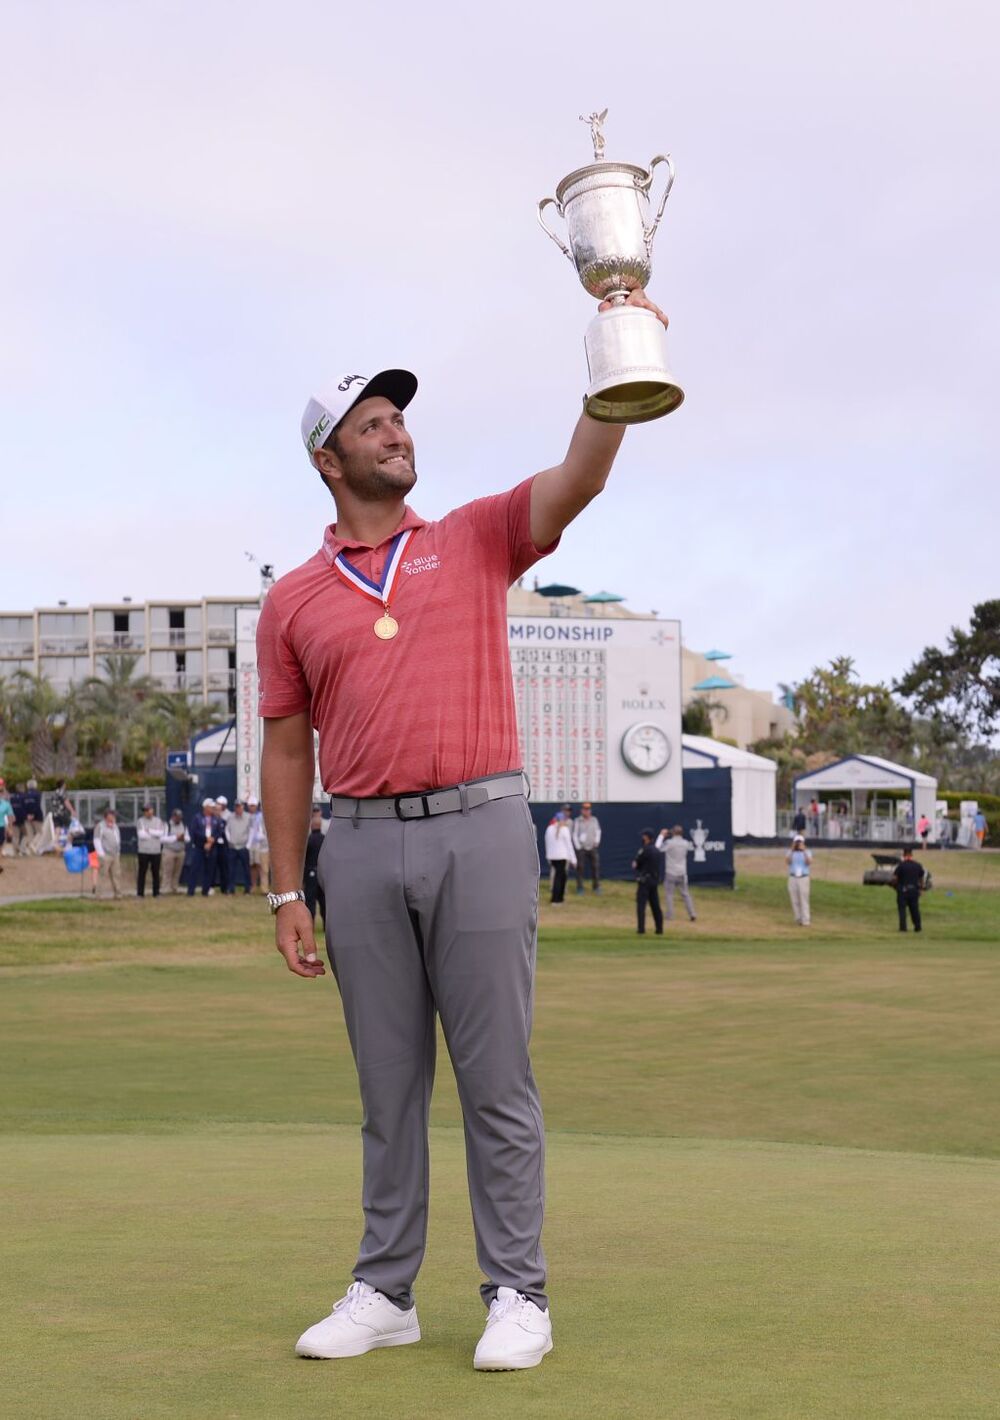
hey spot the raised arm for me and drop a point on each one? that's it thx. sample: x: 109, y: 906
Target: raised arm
x: 286, y: 776
x: 558, y: 494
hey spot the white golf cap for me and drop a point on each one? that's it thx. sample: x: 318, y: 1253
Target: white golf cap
x: 325, y: 410
x: 208, y: 803
x: 223, y: 801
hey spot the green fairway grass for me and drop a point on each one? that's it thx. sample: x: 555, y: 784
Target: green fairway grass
x: 773, y: 1176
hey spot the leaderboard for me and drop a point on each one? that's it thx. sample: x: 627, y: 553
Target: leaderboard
x: 562, y: 697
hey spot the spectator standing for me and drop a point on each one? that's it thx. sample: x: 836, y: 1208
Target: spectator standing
x: 923, y: 829
x: 799, y: 861
x: 587, y: 842
x: 310, y: 881
x: 15, y: 828
x: 260, y: 853
x: 175, y: 841
x: 648, y: 865
x: 108, y: 847
x: 675, y: 849
x: 560, y: 854
x: 203, y: 840
x: 33, y: 817
x: 908, y: 880
x: 237, y: 837
x: 979, y: 828
x: 150, y: 831
x: 814, y: 816
x: 799, y: 822
x: 219, y: 828
x: 6, y: 820
x: 62, y: 806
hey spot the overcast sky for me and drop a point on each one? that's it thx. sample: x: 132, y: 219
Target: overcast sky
x: 210, y: 208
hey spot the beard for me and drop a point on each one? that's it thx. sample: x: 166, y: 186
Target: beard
x: 372, y: 483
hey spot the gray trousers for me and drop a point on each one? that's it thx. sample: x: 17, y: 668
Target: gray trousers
x: 681, y: 885
x: 438, y: 916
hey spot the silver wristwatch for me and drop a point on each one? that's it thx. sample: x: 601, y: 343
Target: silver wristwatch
x: 278, y: 899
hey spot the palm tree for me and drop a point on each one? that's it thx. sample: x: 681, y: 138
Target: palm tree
x: 39, y: 716
x: 697, y: 716
x: 6, y: 712
x: 112, y: 707
x: 169, y: 719
x: 787, y: 696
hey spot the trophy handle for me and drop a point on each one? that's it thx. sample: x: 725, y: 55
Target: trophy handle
x: 650, y: 231
x: 547, y: 202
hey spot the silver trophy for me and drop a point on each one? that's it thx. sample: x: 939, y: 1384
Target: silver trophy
x: 606, y: 210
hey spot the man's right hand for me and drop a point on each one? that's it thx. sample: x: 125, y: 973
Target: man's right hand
x: 296, y: 941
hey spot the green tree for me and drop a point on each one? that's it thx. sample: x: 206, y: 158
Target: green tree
x: 696, y: 718
x: 112, y: 708
x: 961, y: 684
x: 169, y: 720
x: 42, y: 719
x: 840, y: 715
x: 790, y: 758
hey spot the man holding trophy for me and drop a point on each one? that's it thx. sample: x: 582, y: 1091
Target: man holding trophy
x: 392, y: 641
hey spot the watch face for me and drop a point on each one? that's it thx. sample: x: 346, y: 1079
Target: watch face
x: 645, y: 748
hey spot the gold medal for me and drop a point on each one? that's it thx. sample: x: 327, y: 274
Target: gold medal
x: 386, y: 627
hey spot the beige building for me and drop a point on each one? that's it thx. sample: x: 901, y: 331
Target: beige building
x: 191, y: 646
x: 183, y: 645
x: 738, y: 713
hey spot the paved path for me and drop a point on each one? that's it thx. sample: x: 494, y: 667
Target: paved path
x: 45, y: 897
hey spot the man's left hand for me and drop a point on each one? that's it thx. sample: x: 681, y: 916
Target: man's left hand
x: 638, y: 298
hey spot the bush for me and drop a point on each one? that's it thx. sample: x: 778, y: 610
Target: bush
x: 989, y: 803
x: 105, y: 779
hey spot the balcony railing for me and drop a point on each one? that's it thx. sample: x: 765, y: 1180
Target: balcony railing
x: 64, y: 645
x: 192, y: 681
x: 119, y: 641
x: 225, y: 634
x: 221, y: 680
x: 14, y: 646
x: 180, y: 636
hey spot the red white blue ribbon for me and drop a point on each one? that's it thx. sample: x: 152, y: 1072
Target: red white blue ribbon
x: 380, y: 592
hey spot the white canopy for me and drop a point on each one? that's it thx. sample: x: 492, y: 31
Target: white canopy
x: 214, y: 746
x: 859, y: 773
x: 754, y: 780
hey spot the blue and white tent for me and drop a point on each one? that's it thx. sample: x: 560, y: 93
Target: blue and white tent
x: 859, y: 774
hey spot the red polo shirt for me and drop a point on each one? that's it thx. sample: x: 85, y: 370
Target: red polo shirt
x: 435, y: 705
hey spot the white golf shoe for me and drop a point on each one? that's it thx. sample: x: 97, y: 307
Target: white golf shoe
x: 359, y: 1322
x: 518, y: 1334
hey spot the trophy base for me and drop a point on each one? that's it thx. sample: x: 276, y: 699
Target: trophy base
x: 627, y: 359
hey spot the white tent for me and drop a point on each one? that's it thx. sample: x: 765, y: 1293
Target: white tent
x: 216, y: 746
x: 754, y: 781
x: 860, y: 773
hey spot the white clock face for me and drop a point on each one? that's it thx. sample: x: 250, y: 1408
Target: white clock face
x: 645, y: 748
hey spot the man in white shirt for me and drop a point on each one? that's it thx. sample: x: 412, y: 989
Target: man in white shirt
x: 675, y: 849
x: 586, y: 841
x: 175, y: 842
x: 560, y: 853
x: 150, y: 832
x: 108, y: 847
x: 260, y: 853
x: 238, y: 826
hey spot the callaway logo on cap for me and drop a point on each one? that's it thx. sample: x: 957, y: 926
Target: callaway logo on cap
x: 325, y: 410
